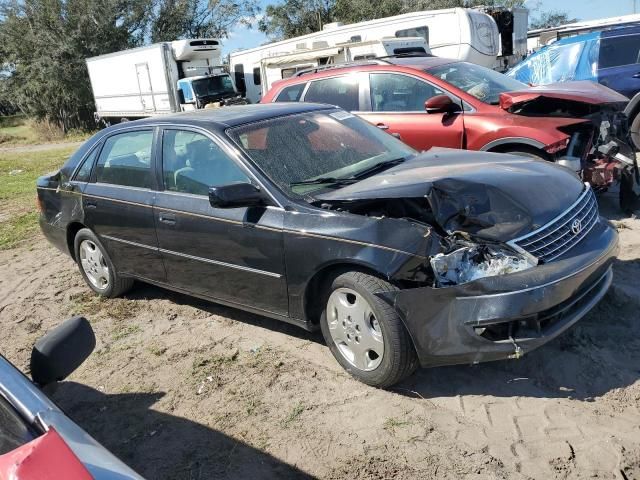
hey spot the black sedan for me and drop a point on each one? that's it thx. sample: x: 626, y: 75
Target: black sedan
x: 310, y: 215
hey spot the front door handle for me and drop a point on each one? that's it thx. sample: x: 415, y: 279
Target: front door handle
x: 397, y: 135
x: 168, y: 218
x: 637, y: 75
x: 91, y: 205
x: 382, y: 126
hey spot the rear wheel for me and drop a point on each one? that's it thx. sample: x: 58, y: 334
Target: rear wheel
x: 96, y: 267
x: 635, y: 131
x: 364, y: 333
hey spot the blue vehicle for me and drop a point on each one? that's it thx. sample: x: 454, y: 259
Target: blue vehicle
x: 609, y: 57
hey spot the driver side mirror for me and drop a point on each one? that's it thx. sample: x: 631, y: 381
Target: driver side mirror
x: 236, y: 195
x: 441, y: 104
x: 62, y: 350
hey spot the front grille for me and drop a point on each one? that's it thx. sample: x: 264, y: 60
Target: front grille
x: 563, y: 232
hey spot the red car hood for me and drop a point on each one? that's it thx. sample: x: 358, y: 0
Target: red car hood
x: 584, y: 91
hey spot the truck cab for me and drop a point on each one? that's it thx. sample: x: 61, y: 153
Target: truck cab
x: 204, y: 90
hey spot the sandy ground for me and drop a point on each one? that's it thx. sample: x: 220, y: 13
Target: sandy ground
x: 180, y: 388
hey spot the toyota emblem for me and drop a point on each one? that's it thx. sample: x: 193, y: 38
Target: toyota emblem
x: 576, y: 226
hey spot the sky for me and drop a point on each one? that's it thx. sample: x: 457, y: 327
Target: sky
x: 242, y: 37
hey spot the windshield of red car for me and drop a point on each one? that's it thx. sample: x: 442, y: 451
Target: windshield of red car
x: 14, y: 431
x: 316, y: 146
x: 484, y: 84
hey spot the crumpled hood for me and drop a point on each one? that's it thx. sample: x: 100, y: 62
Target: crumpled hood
x: 583, y: 91
x: 492, y: 196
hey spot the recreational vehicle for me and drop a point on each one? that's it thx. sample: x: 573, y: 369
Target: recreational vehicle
x: 459, y: 33
x: 158, y: 79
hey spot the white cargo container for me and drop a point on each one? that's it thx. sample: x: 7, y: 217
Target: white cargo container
x: 159, y: 79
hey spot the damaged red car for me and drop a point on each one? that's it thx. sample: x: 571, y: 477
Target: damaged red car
x: 431, y: 101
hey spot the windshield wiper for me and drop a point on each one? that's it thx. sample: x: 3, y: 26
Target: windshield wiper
x: 378, y: 167
x: 323, y: 181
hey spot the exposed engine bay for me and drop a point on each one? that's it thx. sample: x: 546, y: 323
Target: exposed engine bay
x: 599, y: 149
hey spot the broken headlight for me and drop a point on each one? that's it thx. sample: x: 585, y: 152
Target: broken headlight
x: 478, y: 261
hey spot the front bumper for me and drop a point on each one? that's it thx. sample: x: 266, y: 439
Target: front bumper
x: 506, y: 316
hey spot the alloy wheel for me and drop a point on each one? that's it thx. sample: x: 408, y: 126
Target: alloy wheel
x: 354, y: 329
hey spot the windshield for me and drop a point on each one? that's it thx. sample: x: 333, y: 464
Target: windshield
x: 484, y: 84
x: 217, y: 86
x: 314, y: 151
x: 559, y: 63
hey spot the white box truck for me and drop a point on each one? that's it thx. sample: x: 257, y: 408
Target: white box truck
x: 159, y: 79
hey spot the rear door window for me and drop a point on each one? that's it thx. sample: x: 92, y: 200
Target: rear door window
x: 391, y: 92
x: 619, y: 51
x: 125, y: 159
x: 291, y: 93
x: 340, y: 91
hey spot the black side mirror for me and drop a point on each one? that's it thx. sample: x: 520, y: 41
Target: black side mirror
x: 441, y: 104
x: 63, y: 349
x: 236, y: 195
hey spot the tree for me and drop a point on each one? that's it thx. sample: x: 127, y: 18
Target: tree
x: 44, y: 46
x: 551, y: 19
x: 172, y: 19
x: 292, y: 18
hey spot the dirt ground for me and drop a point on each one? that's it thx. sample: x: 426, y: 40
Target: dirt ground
x: 179, y: 388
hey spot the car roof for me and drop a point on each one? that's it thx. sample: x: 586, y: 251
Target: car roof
x: 417, y: 62
x: 617, y: 31
x: 231, y: 116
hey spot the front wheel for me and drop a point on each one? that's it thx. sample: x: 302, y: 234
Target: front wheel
x: 364, y: 333
x: 96, y: 267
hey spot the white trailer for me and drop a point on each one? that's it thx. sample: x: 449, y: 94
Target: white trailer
x: 459, y: 33
x: 159, y: 79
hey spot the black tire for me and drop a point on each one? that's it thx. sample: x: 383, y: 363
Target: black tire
x: 635, y: 131
x: 399, y: 359
x: 116, y: 285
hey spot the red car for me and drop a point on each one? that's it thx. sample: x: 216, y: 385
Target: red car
x: 432, y: 101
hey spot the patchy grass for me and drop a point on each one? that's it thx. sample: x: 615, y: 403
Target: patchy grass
x: 17, y: 228
x: 123, y: 331
x: 19, y: 130
x: 393, y: 423
x: 293, y: 415
x: 92, y: 305
x: 18, y: 174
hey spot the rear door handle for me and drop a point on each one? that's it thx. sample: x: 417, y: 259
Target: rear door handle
x: 168, y: 218
x: 91, y: 205
x: 397, y: 135
x: 637, y: 75
x: 382, y: 126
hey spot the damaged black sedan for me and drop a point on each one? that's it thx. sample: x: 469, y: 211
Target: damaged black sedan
x: 310, y: 215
